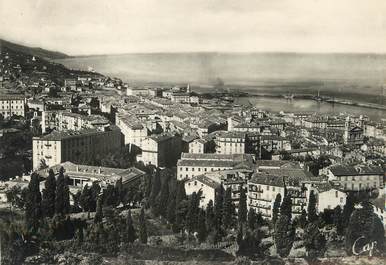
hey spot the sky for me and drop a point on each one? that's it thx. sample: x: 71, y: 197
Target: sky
x: 83, y: 27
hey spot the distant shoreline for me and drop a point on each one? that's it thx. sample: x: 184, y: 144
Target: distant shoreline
x: 330, y: 100
x: 325, y: 98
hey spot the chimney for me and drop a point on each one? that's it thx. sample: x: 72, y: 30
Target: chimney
x: 99, y: 170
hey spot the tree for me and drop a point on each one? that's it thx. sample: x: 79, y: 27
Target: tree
x: 242, y: 211
x: 249, y: 245
x: 252, y: 219
x: 147, y: 185
x: 209, y: 215
x: 228, y: 210
x: 312, y: 215
x: 160, y: 207
x: 338, y: 222
x: 284, y: 230
x: 76, y: 199
x: 286, y: 207
x: 142, y: 227
x: 171, y: 210
x: 364, y: 227
x: 99, y: 213
x: 181, y: 193
x: 303, y: 219
x: 181, y: 207
x: 130, y: 231
x: 48, y: 201
x: 202, y: 230
x: 33, y: 211
x: 218, y: 208
x: 79, y: 235
x: 62, y: 194
x: 314, y: 241
x: 155, y: 188
x: 284, y: 235
x: 193, y: 211
x: 15, y: 198
x: 110, y: 196
x: 95, y: 191
x: 85, y: 199
x: 348, y: 208
x: 120, y: 192
x: 276, y: 208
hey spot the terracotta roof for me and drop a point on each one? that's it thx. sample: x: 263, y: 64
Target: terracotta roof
x: 349, y: 170
x: 95, y: 172
x: 274, y: 177
x: 60, y: 135
x: 206, y: 181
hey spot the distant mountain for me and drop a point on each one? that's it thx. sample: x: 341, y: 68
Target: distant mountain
x: 34, y: 51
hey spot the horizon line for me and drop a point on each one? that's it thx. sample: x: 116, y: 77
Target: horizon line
x: 225, y: 52
x: 193, y: 52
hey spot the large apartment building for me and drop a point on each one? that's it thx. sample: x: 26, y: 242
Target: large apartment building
x: 58, y: 147
x: 230, y: 142
x: 63, y: 120
x: 193, y: 164
x: 133, y: 130
x: 161, y: 150
x: 11, y: 105
x: 266, y: 184
x: 358, y: 177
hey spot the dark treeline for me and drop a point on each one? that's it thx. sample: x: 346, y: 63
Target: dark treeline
x: 107, y: 223
x: 48, y: 218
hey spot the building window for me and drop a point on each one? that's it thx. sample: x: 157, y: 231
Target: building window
x: 336, y: 194
x: 195, y: 183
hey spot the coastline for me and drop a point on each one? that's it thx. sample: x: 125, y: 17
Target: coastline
x: 331, y: 100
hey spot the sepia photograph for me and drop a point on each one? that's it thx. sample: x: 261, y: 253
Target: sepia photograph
x: 192, y: 132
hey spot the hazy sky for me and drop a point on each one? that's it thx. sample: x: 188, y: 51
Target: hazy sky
x: 115, y: 26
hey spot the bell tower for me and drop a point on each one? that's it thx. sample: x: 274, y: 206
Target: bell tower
x: 346, y: 130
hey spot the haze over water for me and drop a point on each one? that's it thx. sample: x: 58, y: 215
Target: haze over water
x: 239, y: 68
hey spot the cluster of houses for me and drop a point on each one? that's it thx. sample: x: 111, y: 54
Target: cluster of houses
x: 210, y: 144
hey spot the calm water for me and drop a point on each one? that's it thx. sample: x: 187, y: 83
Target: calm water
x: 304, y: 105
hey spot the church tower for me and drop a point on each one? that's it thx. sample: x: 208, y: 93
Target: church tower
x: 346, y: 130
x: 188, y: 88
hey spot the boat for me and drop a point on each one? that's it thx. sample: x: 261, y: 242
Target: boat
x: 318, y: 97
x: 289, y: 96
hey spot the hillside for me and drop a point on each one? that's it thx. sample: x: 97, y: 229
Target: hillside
x: 34, y: 51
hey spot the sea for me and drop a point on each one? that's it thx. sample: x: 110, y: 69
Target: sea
x: 361, y: 75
